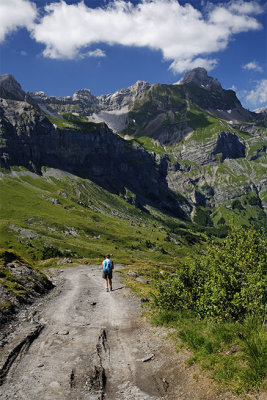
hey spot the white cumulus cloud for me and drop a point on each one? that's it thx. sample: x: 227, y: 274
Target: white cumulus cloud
x: 258, y: 95
x: 16, y: 14
x: 253, y: 65
x: 184, y: 35
x: 94, y: 53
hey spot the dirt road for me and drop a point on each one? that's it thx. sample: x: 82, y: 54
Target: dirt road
x: 84, y: 343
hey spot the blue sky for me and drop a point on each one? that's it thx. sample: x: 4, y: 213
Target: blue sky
x: 62, y: 46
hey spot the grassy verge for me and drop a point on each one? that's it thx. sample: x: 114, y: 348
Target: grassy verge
x: 232, y: 353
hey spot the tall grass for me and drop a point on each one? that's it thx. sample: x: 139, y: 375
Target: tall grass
x: 233, y: 353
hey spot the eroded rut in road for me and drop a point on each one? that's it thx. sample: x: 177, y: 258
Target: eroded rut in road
x: 90, y: 344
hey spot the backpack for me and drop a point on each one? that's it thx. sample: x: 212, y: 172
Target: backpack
x: 107, y: 266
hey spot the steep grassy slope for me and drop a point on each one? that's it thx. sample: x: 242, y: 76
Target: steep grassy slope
x: 59, y: 214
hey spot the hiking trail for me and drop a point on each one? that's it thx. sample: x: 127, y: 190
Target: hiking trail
x: 81, y: 342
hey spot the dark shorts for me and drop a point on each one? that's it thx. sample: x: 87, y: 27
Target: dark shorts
x: 107, y: 276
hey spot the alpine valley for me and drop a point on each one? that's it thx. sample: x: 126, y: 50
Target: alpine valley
x: 145, y: 172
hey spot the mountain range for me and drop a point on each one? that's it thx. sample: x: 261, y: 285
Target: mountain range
x: 188, y: 150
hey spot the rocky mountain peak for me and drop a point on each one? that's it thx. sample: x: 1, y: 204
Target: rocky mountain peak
x: 139, y: 85
x: 262, y: 110
x: 39, y: 96
x: 85, y: 96
x: 124, y: 97
x: 199, y: 76
x: 10, y: 88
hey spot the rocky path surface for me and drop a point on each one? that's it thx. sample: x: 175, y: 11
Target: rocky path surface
x: 84, y: 343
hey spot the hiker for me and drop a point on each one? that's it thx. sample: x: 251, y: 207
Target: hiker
x: 107, y: 267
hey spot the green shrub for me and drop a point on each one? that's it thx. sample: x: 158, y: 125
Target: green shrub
x: 236, y: 205
x: 202, y: 217
x: 51, y: 252
x: 253, y: 199
x: 228, y: 282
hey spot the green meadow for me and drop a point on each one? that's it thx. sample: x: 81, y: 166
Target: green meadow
x: 60, y: 214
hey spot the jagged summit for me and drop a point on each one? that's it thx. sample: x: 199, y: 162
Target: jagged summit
x: 262, y: 110
x: 139, y: 85
x: 6, y: 77
x: 10, y: 88
x: 124, y: 97
x: 84, y: 96
x: 199, y: 76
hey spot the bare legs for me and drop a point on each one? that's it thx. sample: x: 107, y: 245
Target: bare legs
x: 110, y: 284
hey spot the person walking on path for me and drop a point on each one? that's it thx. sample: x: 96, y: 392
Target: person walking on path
x: 107, y: 267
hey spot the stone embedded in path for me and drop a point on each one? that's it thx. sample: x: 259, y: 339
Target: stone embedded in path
x: 62, y: 333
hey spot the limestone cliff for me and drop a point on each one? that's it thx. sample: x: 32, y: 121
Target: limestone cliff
x: 93, y: 151
x: 193, y: 138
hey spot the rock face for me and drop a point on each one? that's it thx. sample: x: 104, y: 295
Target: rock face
x: 10, y: 88
x: 85, y: 97
x: 229, y: 145
x: 258, y: 153
x: 82, y: 96
x: 161, y: 103
x: 30, y: 283
x: 124, y: 97
x: 92, y: 152
x: 262, y: 110
x: 107, y: 102
x: 112, y: 108
x: 199, y: 77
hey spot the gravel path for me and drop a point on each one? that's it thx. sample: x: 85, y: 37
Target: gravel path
x: 84, y: 343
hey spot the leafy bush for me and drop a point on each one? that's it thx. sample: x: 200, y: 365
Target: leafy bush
x: 202, y: 217
x: 236, y: 205
x: 228, y: 282
x: 51, y: 252
x: 260, y: 222
x: 221, y: 221
x: 253, y: 199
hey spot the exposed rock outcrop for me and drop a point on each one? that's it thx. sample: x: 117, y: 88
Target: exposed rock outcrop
x: 199, y: 77
x: 10, y: 88
x: 229, y: 145
x: 85, y: 97
x: 124, y: 97
x: 261, y: 110
x: 258, y: 153
x: 82, y: 96
x: 20, y: 284
x: 164, y: 106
